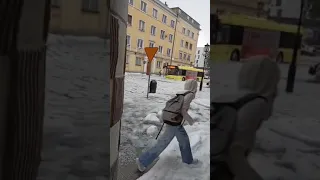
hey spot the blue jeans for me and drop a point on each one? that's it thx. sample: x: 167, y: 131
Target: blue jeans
x: 164, y: 140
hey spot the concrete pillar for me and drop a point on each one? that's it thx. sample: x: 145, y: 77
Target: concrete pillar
x: 118, y: 32
x: 22, y: 110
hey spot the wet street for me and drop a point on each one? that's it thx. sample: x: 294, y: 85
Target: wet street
x: 76, y: 127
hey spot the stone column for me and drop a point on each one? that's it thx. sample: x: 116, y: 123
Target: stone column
x: 23, y: 48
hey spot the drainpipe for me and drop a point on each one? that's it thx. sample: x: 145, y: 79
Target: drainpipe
x: 174, y: 38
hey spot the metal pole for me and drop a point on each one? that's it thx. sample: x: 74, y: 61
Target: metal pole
x: 174, y: 38
x: 204, y: 63
x: 201, y: 83
x: 148, y: 85
x: 293, y: 64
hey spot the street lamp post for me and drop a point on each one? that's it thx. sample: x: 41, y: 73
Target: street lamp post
x: 206, y: 50
x: 293, y: 64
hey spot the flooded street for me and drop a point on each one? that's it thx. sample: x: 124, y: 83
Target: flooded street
x: 76, y: 127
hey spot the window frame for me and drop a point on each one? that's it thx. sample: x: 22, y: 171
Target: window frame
x: 127, y: 59
x: 84, y: 7
x: 142, y: 42
x: 152, y: 42
x: 164, y: 34
x: 143, y: 9
x: 155, y: 30
x: 128, y: 41
x: 130, y: 24
x: 164, y: 19
x: 169, y: 50
x: 158, y: 65
x: 140, y: 61
x: 144, y: 25
x: 173, y: 24
x: 155, y: 15
x: 170, y: 38
x: 160, y: 48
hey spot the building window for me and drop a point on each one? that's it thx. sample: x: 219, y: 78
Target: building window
x: 140, y: 43
x: 184, y: 56
x: 141, y: 25
x: 158, y: 64
x: 279, y: 12
x: 160, y: 49
x: 188, y: 17
x: 198, y: 56
x: 192, y: 35
x: 180, y: 56
x: 127, y: 59
x: 143, y: 6
x: 90, y: 5
x: 188, y: 57
x: 181, y: 43
x: 128, y: 40
x: 169, y: 52
x: 186, y: 45
x: 131, y: 2
x: 190, y: 46
x: 162, y: 34
x: 138, y: 61
x: 164, y: 19
x: 129, y: 20
x: 151, y: 44
x: 188, y: 32
x: 155, y: 13
x: 56, y: 3
x: 198, y: 51
x: 170, y: 38
x: 153, y: 30
x: 184, y: 30
x: 278, y: 3
x: 172, y: 23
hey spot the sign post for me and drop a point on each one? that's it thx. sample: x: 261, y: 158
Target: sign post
x: 151, y: 52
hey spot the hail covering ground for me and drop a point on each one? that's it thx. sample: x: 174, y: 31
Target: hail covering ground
x: 76, y: 134
x: 140, y: 125
x: 287, y: 145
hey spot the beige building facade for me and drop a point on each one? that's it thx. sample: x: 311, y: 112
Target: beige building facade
x: 152, y: 23
x: 79, y: 17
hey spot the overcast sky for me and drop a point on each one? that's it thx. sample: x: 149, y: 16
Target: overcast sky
x: 198, y: 10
